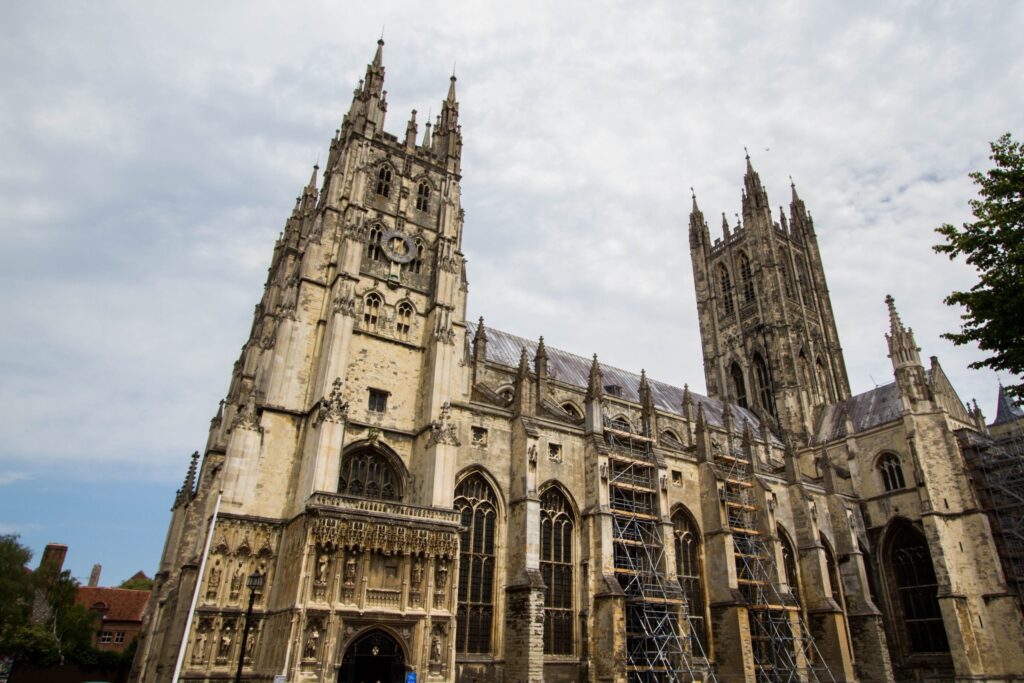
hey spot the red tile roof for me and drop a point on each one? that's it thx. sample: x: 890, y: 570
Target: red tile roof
x: 121, y: 604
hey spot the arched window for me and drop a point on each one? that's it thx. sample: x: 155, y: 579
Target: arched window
x: 833, y: 574
x: 384, y: 181
x: 787, y: 285
x: 891, y: 469
x: 670, y: 439
x: 620, y: 423
x: 477, y: 504
x: 763, y: 384
x: 789, y: 564
x: 366, y: 473
x: 423, y: 196
x: 572, y: 410
x: 371, y: 310
x: 747, y: 279
x: 739, y: 387
x: 556, y: 567
x: 404, y: 323
x: 824, y: 386
x: 805, y: 375
x: 916, y: 587
x: 373, y: 248
x: 688, y: 571
x: 725, y: 286
x: 415, y: 265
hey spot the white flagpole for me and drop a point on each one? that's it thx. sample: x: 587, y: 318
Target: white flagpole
x: 195, y: 593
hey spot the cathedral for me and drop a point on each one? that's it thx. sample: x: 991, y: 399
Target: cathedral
x: 393, y: 493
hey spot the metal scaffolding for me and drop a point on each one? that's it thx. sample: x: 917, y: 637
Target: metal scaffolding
x: 658, y: 625
x: 783, y: 647
x: 996, y: 467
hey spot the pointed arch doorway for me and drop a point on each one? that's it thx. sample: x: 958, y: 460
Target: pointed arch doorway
x: 373, y: 657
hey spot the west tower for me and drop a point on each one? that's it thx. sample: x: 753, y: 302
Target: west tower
x: 767, y: 329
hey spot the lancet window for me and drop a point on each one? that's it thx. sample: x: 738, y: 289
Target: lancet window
x: 404, y: 323
x: 384, y: 181
x: 367, y: 473
x: 891, y: 469
x: 556, y: 568
x: 725, y: 287
x: 789, y: 564
x: 423, y: 196
x: 371, y: 310
x: 764, y: 384
x: 746, y: 278
x: 373, y: 246
x: 688, y: 571
x: 477, y: 504
x: 916, y: 587
x: 739, y: 386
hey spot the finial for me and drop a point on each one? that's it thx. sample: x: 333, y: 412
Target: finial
x: 453, y: 69
x: 746, y: 153
x: 381, y: 39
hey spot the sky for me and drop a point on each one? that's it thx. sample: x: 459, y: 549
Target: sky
x: 151, y: 152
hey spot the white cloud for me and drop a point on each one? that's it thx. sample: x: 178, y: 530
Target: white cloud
x: 149, y: 155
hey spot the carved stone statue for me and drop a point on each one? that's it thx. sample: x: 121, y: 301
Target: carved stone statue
x: 224, y: 647
x: 236, y: 581
x: 312, y: 642
x: 199, y: 648
x: 435, y: 649
x: 322, y: 562
x: 417, y: 573
x: 350, y: 570
x: 441, y: 575
x: 214, y: 583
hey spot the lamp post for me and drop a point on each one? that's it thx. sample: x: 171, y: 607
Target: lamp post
x: 254, y: 582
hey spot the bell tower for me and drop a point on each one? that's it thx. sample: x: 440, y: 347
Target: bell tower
x: 768, y: 333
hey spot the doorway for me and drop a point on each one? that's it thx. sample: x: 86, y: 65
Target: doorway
x: 373, y: 657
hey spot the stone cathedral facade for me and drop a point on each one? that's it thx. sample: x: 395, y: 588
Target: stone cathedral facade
x: 429, y: 498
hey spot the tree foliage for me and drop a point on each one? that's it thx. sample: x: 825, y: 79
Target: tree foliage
x: 139, y: 582
x: 15, y: 583
x: 993, y: 243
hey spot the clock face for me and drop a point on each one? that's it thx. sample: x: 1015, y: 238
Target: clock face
x: 398, y: 246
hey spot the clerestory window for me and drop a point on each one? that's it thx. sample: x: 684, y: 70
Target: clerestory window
x: 891, y: 469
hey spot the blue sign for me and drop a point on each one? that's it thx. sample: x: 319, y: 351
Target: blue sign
x: 410, y: 677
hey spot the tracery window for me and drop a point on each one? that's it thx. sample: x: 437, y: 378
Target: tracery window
x: 404, y: 323
x: 763, y: 384
x: 789, y: 564
x: 384, y: 181
x: 739, y: 386
x: 823, y: 384
x: 787, y: 285
x: 556, y: 567
x: 367, y: 473
x: 891, y: 469
x: 620, y: 423
x: 670, y: 439
x: 423, y: 196
x: 371, y: 310
x: 477, y: 504
x: 725, y: 285
x: 573, y: 411
x: 746, y: 278
x: 415, y: 264
x: 688, y: 571
x: 917, y: 588
x: 373, y: 247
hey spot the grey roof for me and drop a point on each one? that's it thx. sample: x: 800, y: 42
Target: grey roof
x: 504, y: 348
x: 870, y: 409
x: 1007, y: 410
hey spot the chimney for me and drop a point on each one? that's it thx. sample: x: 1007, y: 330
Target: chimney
x: 94, y: 576
x: 53, y: 556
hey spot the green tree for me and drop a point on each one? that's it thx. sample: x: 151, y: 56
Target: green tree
x: 15, y: 584
x: 993, y: 243
x: 139, y: 582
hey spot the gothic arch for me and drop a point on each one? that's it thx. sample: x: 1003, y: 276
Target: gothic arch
x: 889, y: 467
x: 573, y: 409
x: 559, y: 550
x: 763, y: 383
x: 738, y: 383
x: 821, y: 369
x: 746, y: 278
x: 556, y: 484
x: 911, y: 588
x: 725, y: 288
x: 366, y: 630
x: 690, y: 572
x: 385, y: 178
x: 386, y: 455
x: 668, y: 437
x: 790, y: 563
x: 466, y: 472
x: 480, y: 566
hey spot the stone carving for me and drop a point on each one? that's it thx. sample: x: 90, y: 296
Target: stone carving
x: 443, y: 430
x: 603, y: 469
x: 532, y: 455
x: 664, y: 482
x: 236, y: 581
x: 213, y: 584
x: 345, y: 302
x: 199, y: 647
x: 312, y: 646
x: 248, y: 417
x: 417, y: 573
x: 350, y: 569
x: 224, y: 644
x: 440, y: 576
x: 332, y: 407
x: 323, y: 561
x: 389, y: 539
x: 435, y: 649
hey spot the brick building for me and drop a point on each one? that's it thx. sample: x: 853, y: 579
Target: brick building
x: 432, y: 496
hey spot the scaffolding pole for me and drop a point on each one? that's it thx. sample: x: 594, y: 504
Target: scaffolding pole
x: 659, y: 646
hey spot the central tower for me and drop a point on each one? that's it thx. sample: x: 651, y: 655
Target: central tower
x: 767, y: 329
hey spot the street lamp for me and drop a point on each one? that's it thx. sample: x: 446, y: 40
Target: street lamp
x: 255, y: 583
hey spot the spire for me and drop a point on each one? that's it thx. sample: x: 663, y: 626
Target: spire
x: 426, y: 132
x: 754, y: 196
x: 725, y: 227
x: 648, y: 416
x: 524, y: 362
x: 540, y: 359
x: 905, y: 356
x: 1007, y: 409
x: 451, y: 89
x: 595, y: 384
x: 448, y: 133
x: 698, y: 226
x: 378, y: 57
